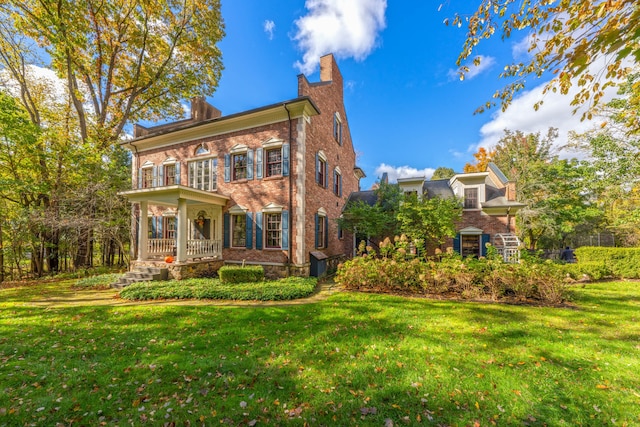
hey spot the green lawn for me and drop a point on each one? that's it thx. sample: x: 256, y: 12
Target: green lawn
x: 351, y: 359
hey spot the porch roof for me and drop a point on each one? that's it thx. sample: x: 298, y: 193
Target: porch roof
x: 169, y: 195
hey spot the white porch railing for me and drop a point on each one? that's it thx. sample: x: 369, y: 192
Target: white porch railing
x: 195, y: 248
x: 204, y: 248
x: 161, y: 246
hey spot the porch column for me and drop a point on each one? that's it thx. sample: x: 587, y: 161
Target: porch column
x: 143, y: 229
x: 181, y: 237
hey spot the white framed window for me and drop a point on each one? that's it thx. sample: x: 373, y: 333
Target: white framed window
x: 273, y: 230
x: 239, y: 230
x: 321, y: 169
x: 337, y: 182
x: 203, y: 174
x: 273, y: 162
x: 238, y: 166
x: 321, y: 229
x: 471, y: 198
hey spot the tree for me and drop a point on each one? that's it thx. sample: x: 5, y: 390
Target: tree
x: 614, y: 159
x: 428, y: 221
x: 118, y: 62
x: 566, y: 40
x: 483, y: 157
x: 554, y: 190
x: 442, y: 173
x: 375, y: 221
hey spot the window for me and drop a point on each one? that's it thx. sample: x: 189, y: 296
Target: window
x: 202, y: 174
x: 321, y: 170
x: 170, y: 227
x: 169, y: 174
x: 470, y: 198
x: 322, y: 226
x: 273, y: 162
x: 321, y: 232
x: 337, y: 182
x: 470, y: 245
x: 239, y: 166
x: 273, y: 230
x: 239, y: 231
x: 147, y: 177
x: 337, y: 128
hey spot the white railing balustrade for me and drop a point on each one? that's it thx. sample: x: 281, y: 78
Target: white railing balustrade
x: 203, y: 248
x: 161, y: 246
x: 195, y: 248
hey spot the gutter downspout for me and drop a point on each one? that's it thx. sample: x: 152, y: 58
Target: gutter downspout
x: 290, y: 249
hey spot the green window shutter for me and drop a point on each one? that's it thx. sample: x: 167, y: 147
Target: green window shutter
x: 456, y: 243
x: 285, y: 159
x: 326, y: 232
x: 486, y: 238
x: 227, y: 224
x: 258, y: 230
x: 285, y: 230
x: 249, y: 234
x: 318, y: 169
x: 317, y: 228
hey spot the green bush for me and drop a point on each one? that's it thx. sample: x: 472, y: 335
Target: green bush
x: 622, y: 263
x: 276, y: 290
x: 593, y: 270
x: 241, y: 274
x: 485, y: 278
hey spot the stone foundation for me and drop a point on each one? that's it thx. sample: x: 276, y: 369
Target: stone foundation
x: 187, y: 270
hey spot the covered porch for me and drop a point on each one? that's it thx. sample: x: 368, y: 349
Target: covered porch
x: 180, y: 221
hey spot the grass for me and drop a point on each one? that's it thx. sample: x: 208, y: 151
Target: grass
x: 351, y: 359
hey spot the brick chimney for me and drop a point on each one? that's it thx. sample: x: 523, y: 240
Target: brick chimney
x: 202, y: 110
x: 329, y: 71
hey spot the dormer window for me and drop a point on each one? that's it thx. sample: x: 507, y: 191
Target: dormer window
x: 471, y: 198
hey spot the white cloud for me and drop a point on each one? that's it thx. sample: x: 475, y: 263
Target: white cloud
x: 486, y: 62
x: 269, y: 28
x: 395, y: 172
x: 556, y: 112
x: 345, y: 28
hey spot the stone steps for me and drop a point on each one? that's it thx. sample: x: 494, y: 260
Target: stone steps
x: 141, y: 274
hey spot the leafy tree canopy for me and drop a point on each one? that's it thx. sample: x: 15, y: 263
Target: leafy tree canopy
x: 442, y: 173
x: 568, y: 39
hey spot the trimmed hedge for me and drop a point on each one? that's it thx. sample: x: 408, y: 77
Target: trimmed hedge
x: 623, y: 263
x: 241, y: 274
x: 277, y: 290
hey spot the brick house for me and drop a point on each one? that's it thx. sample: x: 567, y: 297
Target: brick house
x: 262, y: 186
x: 489, y: 206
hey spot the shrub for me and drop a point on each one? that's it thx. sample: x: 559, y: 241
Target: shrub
x: 276, y: 290
x: 241, y: 274
x: 594, y: 270
x: 623, y: 263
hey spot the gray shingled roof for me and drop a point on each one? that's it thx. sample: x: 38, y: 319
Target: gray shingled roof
x: 439, y: 188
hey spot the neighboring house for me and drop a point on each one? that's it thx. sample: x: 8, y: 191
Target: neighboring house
x: 262, y: 186
x: 489, y: 207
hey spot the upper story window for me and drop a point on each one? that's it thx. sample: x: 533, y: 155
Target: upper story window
x: 238, y: 164
x: 337, y: 182
x: 170, y: 174
x: 273, y: 166
x: 337, y: 128
x: 272, y: 159
x: 203, y: 174
x: 470, y: 198
x: 147, y: 177
x: 321, y: 169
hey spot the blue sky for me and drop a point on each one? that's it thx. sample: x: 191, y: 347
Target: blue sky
x: 408, y: 111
